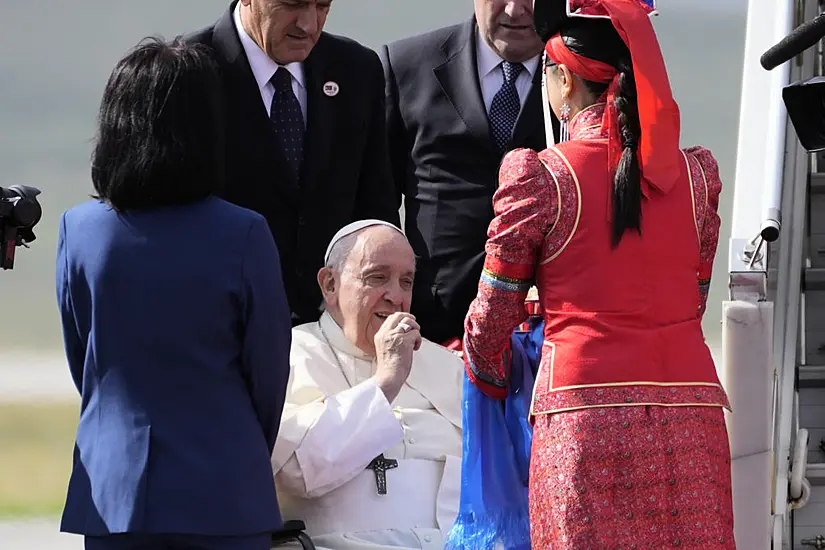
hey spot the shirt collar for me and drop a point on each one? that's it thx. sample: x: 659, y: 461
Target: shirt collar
x: 489, y: 60
x: 338, y: 340
x: 263, y: 67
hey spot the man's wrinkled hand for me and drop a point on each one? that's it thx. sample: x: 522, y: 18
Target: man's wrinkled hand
x: 395, y: 342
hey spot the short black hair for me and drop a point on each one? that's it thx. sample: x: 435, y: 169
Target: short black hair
x: 160, y: 137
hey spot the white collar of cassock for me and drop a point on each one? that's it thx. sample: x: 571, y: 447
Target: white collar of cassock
x: 429, y: 375
x: 339, y: 341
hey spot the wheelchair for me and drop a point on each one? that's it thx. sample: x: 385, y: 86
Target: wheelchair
x: 292, y: 531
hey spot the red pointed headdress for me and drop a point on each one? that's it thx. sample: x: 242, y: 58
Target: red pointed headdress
x: 658, y: 149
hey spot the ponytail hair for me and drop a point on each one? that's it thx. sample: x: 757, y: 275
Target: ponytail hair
x: 627, y: 184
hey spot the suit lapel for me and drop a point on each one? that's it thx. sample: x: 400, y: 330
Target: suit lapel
x: 531, y: 115
x: 320, y: 118
x: 458, y: 77
x: 228, y: 46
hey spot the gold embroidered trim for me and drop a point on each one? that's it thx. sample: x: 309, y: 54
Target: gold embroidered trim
x: 613, y: 405
x: 638, y: 383
x: 591, y: 128
x: 693, y: 198
x: 558, y: 197
x: 552, y: 362
x: 707, y: 203
x: 578, y: 205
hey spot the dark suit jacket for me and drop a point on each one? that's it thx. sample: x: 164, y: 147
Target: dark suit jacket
x: 345, y: 170
x: 445, y: 163
x: 177, y: 335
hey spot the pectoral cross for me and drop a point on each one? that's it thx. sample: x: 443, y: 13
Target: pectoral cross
x: 380, y: 465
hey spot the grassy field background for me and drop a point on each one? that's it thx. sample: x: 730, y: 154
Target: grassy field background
x: 36, y: 442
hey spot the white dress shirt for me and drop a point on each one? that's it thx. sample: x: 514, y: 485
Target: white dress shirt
x: 263, y: 67
x: 336, y: 420
x: 491, y: 75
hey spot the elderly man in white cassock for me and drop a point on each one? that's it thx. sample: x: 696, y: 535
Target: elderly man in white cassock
x: 369, y: 450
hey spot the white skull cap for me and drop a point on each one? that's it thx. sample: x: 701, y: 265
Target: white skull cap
x: 353, y: 227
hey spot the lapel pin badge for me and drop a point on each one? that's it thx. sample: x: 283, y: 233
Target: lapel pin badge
x: 331, y: 89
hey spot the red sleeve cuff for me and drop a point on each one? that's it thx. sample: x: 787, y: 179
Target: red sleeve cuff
x: 490, y: 390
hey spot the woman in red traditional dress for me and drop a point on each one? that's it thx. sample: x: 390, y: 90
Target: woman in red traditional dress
x: 617, y: 227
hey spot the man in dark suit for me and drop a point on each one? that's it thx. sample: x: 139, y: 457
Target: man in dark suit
x: 305, y: 139
x: 457, y: 99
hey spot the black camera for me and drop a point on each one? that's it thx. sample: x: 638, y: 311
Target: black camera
x: 19, y: 213
x: 805, y: 103
x: 804, y: 100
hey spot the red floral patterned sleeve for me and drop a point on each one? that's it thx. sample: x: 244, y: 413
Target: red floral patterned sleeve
x: 524, y: 205
x: 707, y: 188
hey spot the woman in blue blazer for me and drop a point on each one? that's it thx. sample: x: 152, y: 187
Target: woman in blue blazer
x: 175, y: 322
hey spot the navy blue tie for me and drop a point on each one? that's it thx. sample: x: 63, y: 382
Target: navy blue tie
x: 506, y: 105
x: 287, y: 120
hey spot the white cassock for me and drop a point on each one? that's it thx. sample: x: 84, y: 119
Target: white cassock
x: 336, y: 421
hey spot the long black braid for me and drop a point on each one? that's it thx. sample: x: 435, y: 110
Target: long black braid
x: 597, y: 39
x: 627, y: 185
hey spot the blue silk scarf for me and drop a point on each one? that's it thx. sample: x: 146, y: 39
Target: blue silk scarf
x: 493, y: 508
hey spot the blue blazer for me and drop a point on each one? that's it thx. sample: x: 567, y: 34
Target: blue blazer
x: 177, y: 334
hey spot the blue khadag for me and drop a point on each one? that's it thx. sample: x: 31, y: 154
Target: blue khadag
x: 493, y: 508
